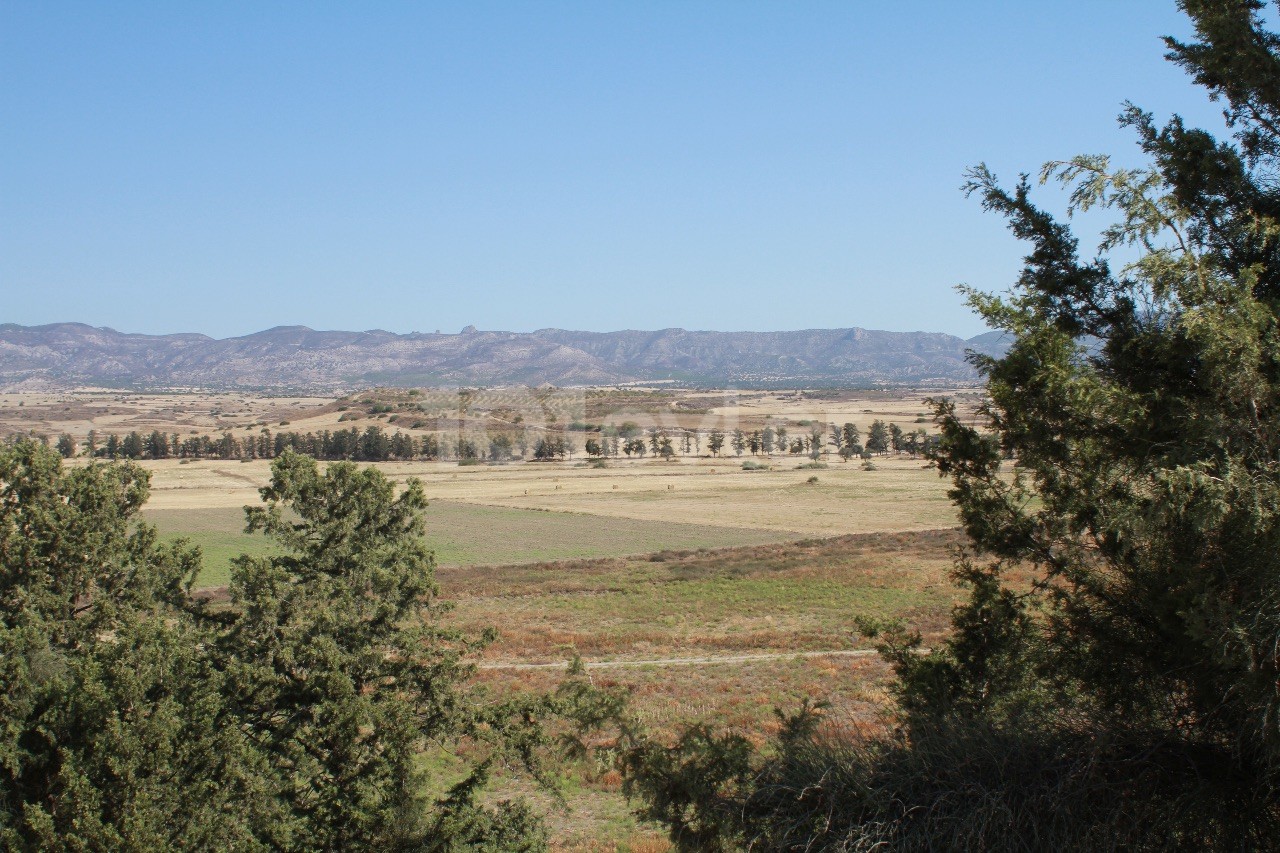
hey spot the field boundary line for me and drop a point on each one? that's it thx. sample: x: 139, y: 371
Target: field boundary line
x: 687, y: 661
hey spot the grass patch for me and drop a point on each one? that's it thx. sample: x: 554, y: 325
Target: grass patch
x: 218, y: 532
x: 779, y: 597
x: 468, y: 534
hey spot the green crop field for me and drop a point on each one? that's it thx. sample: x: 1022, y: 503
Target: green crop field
x: 468, y: 534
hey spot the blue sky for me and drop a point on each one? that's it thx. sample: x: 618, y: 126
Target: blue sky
x: 227, y: 167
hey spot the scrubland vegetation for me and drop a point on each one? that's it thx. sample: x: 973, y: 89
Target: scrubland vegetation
x: 1088, y: 663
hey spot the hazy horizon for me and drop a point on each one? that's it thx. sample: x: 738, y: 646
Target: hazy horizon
x: 479, y: 329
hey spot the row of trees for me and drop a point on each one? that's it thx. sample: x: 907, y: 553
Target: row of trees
x: 374, y: 444
x: 843, y: 440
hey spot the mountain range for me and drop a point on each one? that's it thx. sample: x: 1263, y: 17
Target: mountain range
x: 296, y: 358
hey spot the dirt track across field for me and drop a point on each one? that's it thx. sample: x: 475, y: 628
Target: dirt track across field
x: 705, y: 659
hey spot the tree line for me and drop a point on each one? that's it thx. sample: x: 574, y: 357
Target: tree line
x: 375, y: 444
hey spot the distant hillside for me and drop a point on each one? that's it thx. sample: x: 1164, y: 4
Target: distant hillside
x: 298, y: 358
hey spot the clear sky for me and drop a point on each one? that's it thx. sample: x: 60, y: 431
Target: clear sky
x: 225, y: 167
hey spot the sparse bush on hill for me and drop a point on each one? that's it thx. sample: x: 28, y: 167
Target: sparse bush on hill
x: 1128, y: 697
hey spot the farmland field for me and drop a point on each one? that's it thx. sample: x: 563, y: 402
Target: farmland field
x: 751, y: 621
x: 707, y: 592
x: 469, y: 534
x: 528, y: 512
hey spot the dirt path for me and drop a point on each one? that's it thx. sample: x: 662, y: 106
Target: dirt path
x: 708, y: 659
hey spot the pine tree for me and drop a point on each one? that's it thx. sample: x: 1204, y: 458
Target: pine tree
x: 852, y: 436
x: 878, y: 437
x: 716, y: 442
x: 115, y: 734
x: 895, y: 438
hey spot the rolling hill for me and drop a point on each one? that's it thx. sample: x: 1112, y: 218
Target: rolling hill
x: 299, y: 358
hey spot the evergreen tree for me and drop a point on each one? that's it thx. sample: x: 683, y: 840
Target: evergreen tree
x: 228, y: 446
x: 500, y: 447
x: 1111, y: 680
x: 133, y: 447
x: 137, y: 719
x: 404, y: 447
x: 715, y: 442
x: 852, y: 436
x: 157, y: 445
x: 374, y: 445
x: 337, y: 652
x: 115, y: 734
x: 895, y: 438
x: 878, y: 437
x: 815, y: 442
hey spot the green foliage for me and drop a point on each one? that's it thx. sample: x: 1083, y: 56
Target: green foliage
x: 1138, y: 407
x: 333, y: 646
x: 1112, y: 680
x: 878, y: 437
x: 113, y: 736
x: 693, y: 787
x: 135, y: 718
x: 715, y: 442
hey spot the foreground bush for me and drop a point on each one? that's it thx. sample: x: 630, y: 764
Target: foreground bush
x: 132, y: 718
